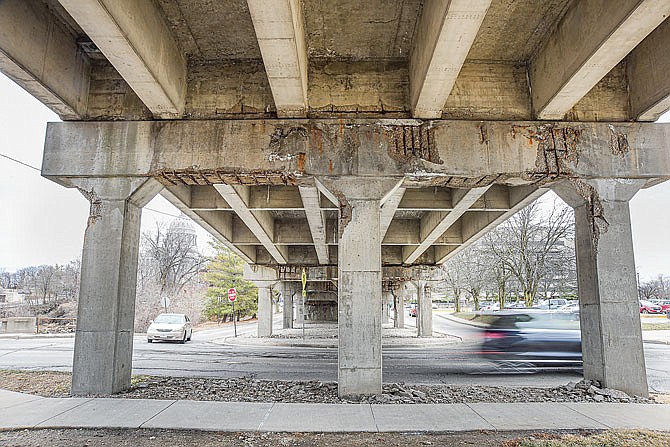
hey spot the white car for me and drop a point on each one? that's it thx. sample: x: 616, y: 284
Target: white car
x: 170, y: 327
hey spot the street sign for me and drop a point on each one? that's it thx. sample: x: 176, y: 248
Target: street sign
x: 232, y: 294
x: 165, y: 302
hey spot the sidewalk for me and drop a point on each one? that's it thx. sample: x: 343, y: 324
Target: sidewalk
x: 19, y: 411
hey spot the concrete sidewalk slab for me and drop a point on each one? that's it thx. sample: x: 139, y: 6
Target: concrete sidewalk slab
x: 33, y: 413
x: 10, y: 398
x: 652, y: 417
x: 532, y: 416
x: 320, y: 418
x: 428, y: 417
x: 215, y: 416
x: 109, y: 413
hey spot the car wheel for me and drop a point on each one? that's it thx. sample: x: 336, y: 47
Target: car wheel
x: 189, y: 336
x: 183, y: 339
x: 644, y: 311
x: 149, y: 340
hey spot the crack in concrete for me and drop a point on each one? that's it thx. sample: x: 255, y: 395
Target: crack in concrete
x: 598, y: 222
x: 95, y: 210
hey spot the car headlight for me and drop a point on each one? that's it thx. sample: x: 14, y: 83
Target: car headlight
x: 179, y: 329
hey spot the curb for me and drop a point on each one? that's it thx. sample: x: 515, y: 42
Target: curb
x: 230, y: 341
x: 33, y: 336
x: 465, y: 322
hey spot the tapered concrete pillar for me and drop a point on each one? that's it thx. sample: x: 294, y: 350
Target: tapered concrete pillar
x: 103, y: 347
x: 399, y: 307
x: 264, y: 309
x: 287, y: 291
x: 424, y: 310
x: 359, y: 283
x: 609, y: 309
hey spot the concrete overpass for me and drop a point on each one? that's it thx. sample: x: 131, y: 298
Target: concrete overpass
x: 360, y: 140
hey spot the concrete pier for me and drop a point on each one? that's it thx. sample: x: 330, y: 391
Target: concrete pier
x: 399, y: 308
x: 103, y: 346
x: 264, y: 309
x: 287, y: 291
x: 424, y: 307
x: 608, y: 299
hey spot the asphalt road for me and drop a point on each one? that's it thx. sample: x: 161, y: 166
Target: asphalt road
x: 454, y: 364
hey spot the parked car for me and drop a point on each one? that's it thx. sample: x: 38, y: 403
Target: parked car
x: 412, y: 311
x: 491, y: 307
x: 518, y: 305
x: 170, y: 327
x: 523, y: 340
x: 572, y: 306
x: 647, y: 307
x: 551, y: 304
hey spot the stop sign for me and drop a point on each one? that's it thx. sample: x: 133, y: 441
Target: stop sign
x: 232, y: 294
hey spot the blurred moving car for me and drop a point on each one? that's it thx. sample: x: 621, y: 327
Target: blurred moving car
x: 647, y: 307
x: 170, y: 327
x: 665, y: 305
x: 533, y: 339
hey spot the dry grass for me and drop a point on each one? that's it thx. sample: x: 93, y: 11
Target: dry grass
x: 610, y: 438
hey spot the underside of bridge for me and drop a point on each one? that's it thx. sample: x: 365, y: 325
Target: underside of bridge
x: 363, y: 141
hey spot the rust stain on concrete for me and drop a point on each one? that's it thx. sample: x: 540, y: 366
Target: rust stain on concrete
x: 594, y: 207
x: 407, y: 143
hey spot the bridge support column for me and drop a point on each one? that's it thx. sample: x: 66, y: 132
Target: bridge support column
x: 424, y: 308
x: 359, y: 283
x: 103, y: 348
x: 609, y: 310
x: 398, y: 307
x: 264, y: 309
x: 386, y: 310
x: 287, y: 291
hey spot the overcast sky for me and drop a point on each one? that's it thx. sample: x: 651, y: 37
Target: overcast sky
x: 43, y: 223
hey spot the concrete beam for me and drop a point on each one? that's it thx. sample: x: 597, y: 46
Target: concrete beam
x: 311, y: 200
x: 446, y: 30
x: 42, y: 57
x: 137, y: 41
x: 280, y: 32
x: 474, y: 225
x: 217, y: 224
x: 462, y: 153
x: 648, y: 68
x: 261, y: 223
x: 435, y: 224
x: 389, y: 208
x: 569, y: 66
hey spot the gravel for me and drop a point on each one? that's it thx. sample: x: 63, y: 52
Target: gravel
x: 249, y: 389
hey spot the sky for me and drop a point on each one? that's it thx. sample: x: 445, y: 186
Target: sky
x: 42, y: 222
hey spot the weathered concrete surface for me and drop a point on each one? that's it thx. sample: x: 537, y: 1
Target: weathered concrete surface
x: 445, y: 32
x: 566, y: 68
x: 42, y: 56
x: 288, y: 290
x: 648, y: 67
x: 104, y: 336
x: 280, y: 32
x: 424, y: 309
x: 608, y: 299
x: 477, y: 153
x: 135, y: 38
x: 399, y: 306
x: 264, y: 309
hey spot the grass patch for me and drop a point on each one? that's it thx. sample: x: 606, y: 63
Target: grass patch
x: 610, y: 438
x: 656, y: 326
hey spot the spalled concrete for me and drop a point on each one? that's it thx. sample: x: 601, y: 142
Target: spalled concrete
x: 608, y: 299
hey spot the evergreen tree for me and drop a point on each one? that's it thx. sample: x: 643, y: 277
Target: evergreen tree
x: 224, y: 271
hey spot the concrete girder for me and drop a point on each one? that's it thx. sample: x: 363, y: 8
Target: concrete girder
x: 217, y: 224
x: 474, y: 225
x: 311, y: 200
x: 261, y: 223
x: 388, y: 210
x: 42, y: 57
x: 451, y: 153
x: 445, y: 32
x: 280, y: 32
x: 137, y: 41
x: 569, y: 66
x: 435, y: 224
x: 648, y: 68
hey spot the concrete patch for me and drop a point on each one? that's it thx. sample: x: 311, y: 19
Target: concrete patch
x: 109, y: 413
x: 428, y: 418
x: 651, y: 417
x: 215, y: 416
x: 320, y: 418
x: 533, y: 416
x: 33, y: 413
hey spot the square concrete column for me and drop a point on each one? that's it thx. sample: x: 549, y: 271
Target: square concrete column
x: 359, y: 283
x: 264, y: 309
x: 608, y: 301
x: 264, y: 278
x: 103, y: 347
x: 287, y: 291
x: 399, y: 307
x: 424, y: 310
x: 386, y: 310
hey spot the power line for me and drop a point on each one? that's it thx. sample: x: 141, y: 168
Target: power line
x: 20, y: 162
x: 39, y: 170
